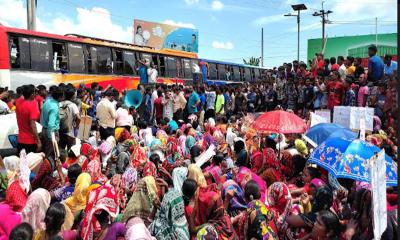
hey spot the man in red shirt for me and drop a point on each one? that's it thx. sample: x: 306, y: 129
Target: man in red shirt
x: 27, y: 112
x: 335, y: 90
x: 334, y: 65
x: 158, y: 107
x: 41, y: 95
x: 318, y: 65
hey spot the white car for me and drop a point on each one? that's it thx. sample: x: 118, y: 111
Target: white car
x: 9, y: 133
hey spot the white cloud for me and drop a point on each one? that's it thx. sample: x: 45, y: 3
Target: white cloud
x: 191, y: 2
x: 179, y: 24
x: 222, y: 45
x: 269, y: 19
x: 95, y: 22
x: 217, y: 5
x: 13, y: 13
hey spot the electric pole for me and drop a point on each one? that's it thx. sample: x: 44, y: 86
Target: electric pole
x: 262, y: 47
x: 298, y: 8
x: 31, y: 14
x: 324, y: 15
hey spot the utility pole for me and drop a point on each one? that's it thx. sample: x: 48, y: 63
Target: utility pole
x: 376, y: 32
x: 298, y: 8
x: 324, y: 15
x: 262, y: 47
x: 31, y: 14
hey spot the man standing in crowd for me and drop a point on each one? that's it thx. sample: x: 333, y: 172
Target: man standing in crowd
x: 362, y: 91
x: 375, y: 66
x: 179, y: 103
x: 390, y: 68
x: 28, y: 113
x: 193, y: 102
x: 220, y: 103
x: 106, y: 115
x: 334, y: 65
x: 168, y: 105
x: 210, y: 103
x: 349, y: 96
x: 342, y: 67
x: 69, y: 119
x: 50, y: 121
x: 335, y: 91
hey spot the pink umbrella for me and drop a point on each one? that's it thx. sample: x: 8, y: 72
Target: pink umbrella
x: 280, y: 122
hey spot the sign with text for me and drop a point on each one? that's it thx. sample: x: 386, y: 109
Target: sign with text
x: 378, y: 187
x: 350, y: 117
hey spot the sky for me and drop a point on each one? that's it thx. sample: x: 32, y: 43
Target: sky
x: 229, y: 30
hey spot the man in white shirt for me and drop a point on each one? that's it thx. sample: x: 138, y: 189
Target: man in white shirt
x: 168, y: 105
x: 106, y: 115
x: 342, y: 68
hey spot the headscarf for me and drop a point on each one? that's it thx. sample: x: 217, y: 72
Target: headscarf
x: 170, y: 221
x: 77, y: 201
x: 150, y: 169
x: 195, y: 173
x: 207, y: 232
x: 68, y: 220
x: 280, y: 202
x: 119, y: 186
x: 238, y: 202
x: 130, y: 178
x: 141, y: 202
x: 317, y: 182
x: 10, y: 220
x: 244, y: 175
x: 138, y: 157
x: 94, y: 169
x: 35, y: 209
x: 301, y: 147
x: 179, y: 176
x: 103, y: 198
x: 88, y: 151
x: 136, y: 230
x: 16, y: 197
x: 190, y: 141
x: 121, y: 134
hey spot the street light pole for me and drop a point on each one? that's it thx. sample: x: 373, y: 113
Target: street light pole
x: 298, y: 8
x: 324, y: 15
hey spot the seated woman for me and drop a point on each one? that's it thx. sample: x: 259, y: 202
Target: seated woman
x: 209, y: 208
x: 101, y: 209
x: 326, y: 227
x: 257, y: 221
x: 170, y: 221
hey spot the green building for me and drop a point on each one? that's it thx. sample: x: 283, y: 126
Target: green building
x: 354, y: 46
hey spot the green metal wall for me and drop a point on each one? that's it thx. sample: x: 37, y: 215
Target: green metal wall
x: 355, y: 46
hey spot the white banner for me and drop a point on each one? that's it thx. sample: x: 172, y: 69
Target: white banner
x: 378, y: 185
x: 350, y: 117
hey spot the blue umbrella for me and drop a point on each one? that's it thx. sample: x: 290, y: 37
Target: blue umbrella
x: 346, y: 158
x: 322, y: 131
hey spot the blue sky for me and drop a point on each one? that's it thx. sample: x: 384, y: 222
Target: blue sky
x: 229, y: 30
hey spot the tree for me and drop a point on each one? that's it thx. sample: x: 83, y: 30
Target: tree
x: 252, y: 61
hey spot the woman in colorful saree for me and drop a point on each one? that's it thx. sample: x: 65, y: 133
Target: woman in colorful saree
x: 170, y: 221
x: 142, y: 200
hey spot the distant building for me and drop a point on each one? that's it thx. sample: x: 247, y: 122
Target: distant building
x: 354, y: 46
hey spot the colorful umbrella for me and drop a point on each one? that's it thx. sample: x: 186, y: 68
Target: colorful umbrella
x: 279, y: 122
x: 322, y: 131
x: 346, y: 158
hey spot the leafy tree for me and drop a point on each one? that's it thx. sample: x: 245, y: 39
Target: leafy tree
x: 253, y: 61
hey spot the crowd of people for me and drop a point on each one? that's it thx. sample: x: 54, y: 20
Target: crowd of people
x: 187, y: 163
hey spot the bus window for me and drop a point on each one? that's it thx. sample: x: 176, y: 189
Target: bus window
x: 40, y: 54
x: 91, y: 55
x: 147, y: 57
x: 19, y: 53
x: 162, y: 66
x: 221, y: 72
x: 59, y: 56
x: 213, y: 71
x: 76, y: 58
x: 179, y: 72
x: 104, y: 63
x: 118, y: 64
x: 195, y: 66
x: 187, y: 68
x: 129, y: 63
x: 257, y: 74
x: 171, y: 67
x: 236, y: 74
